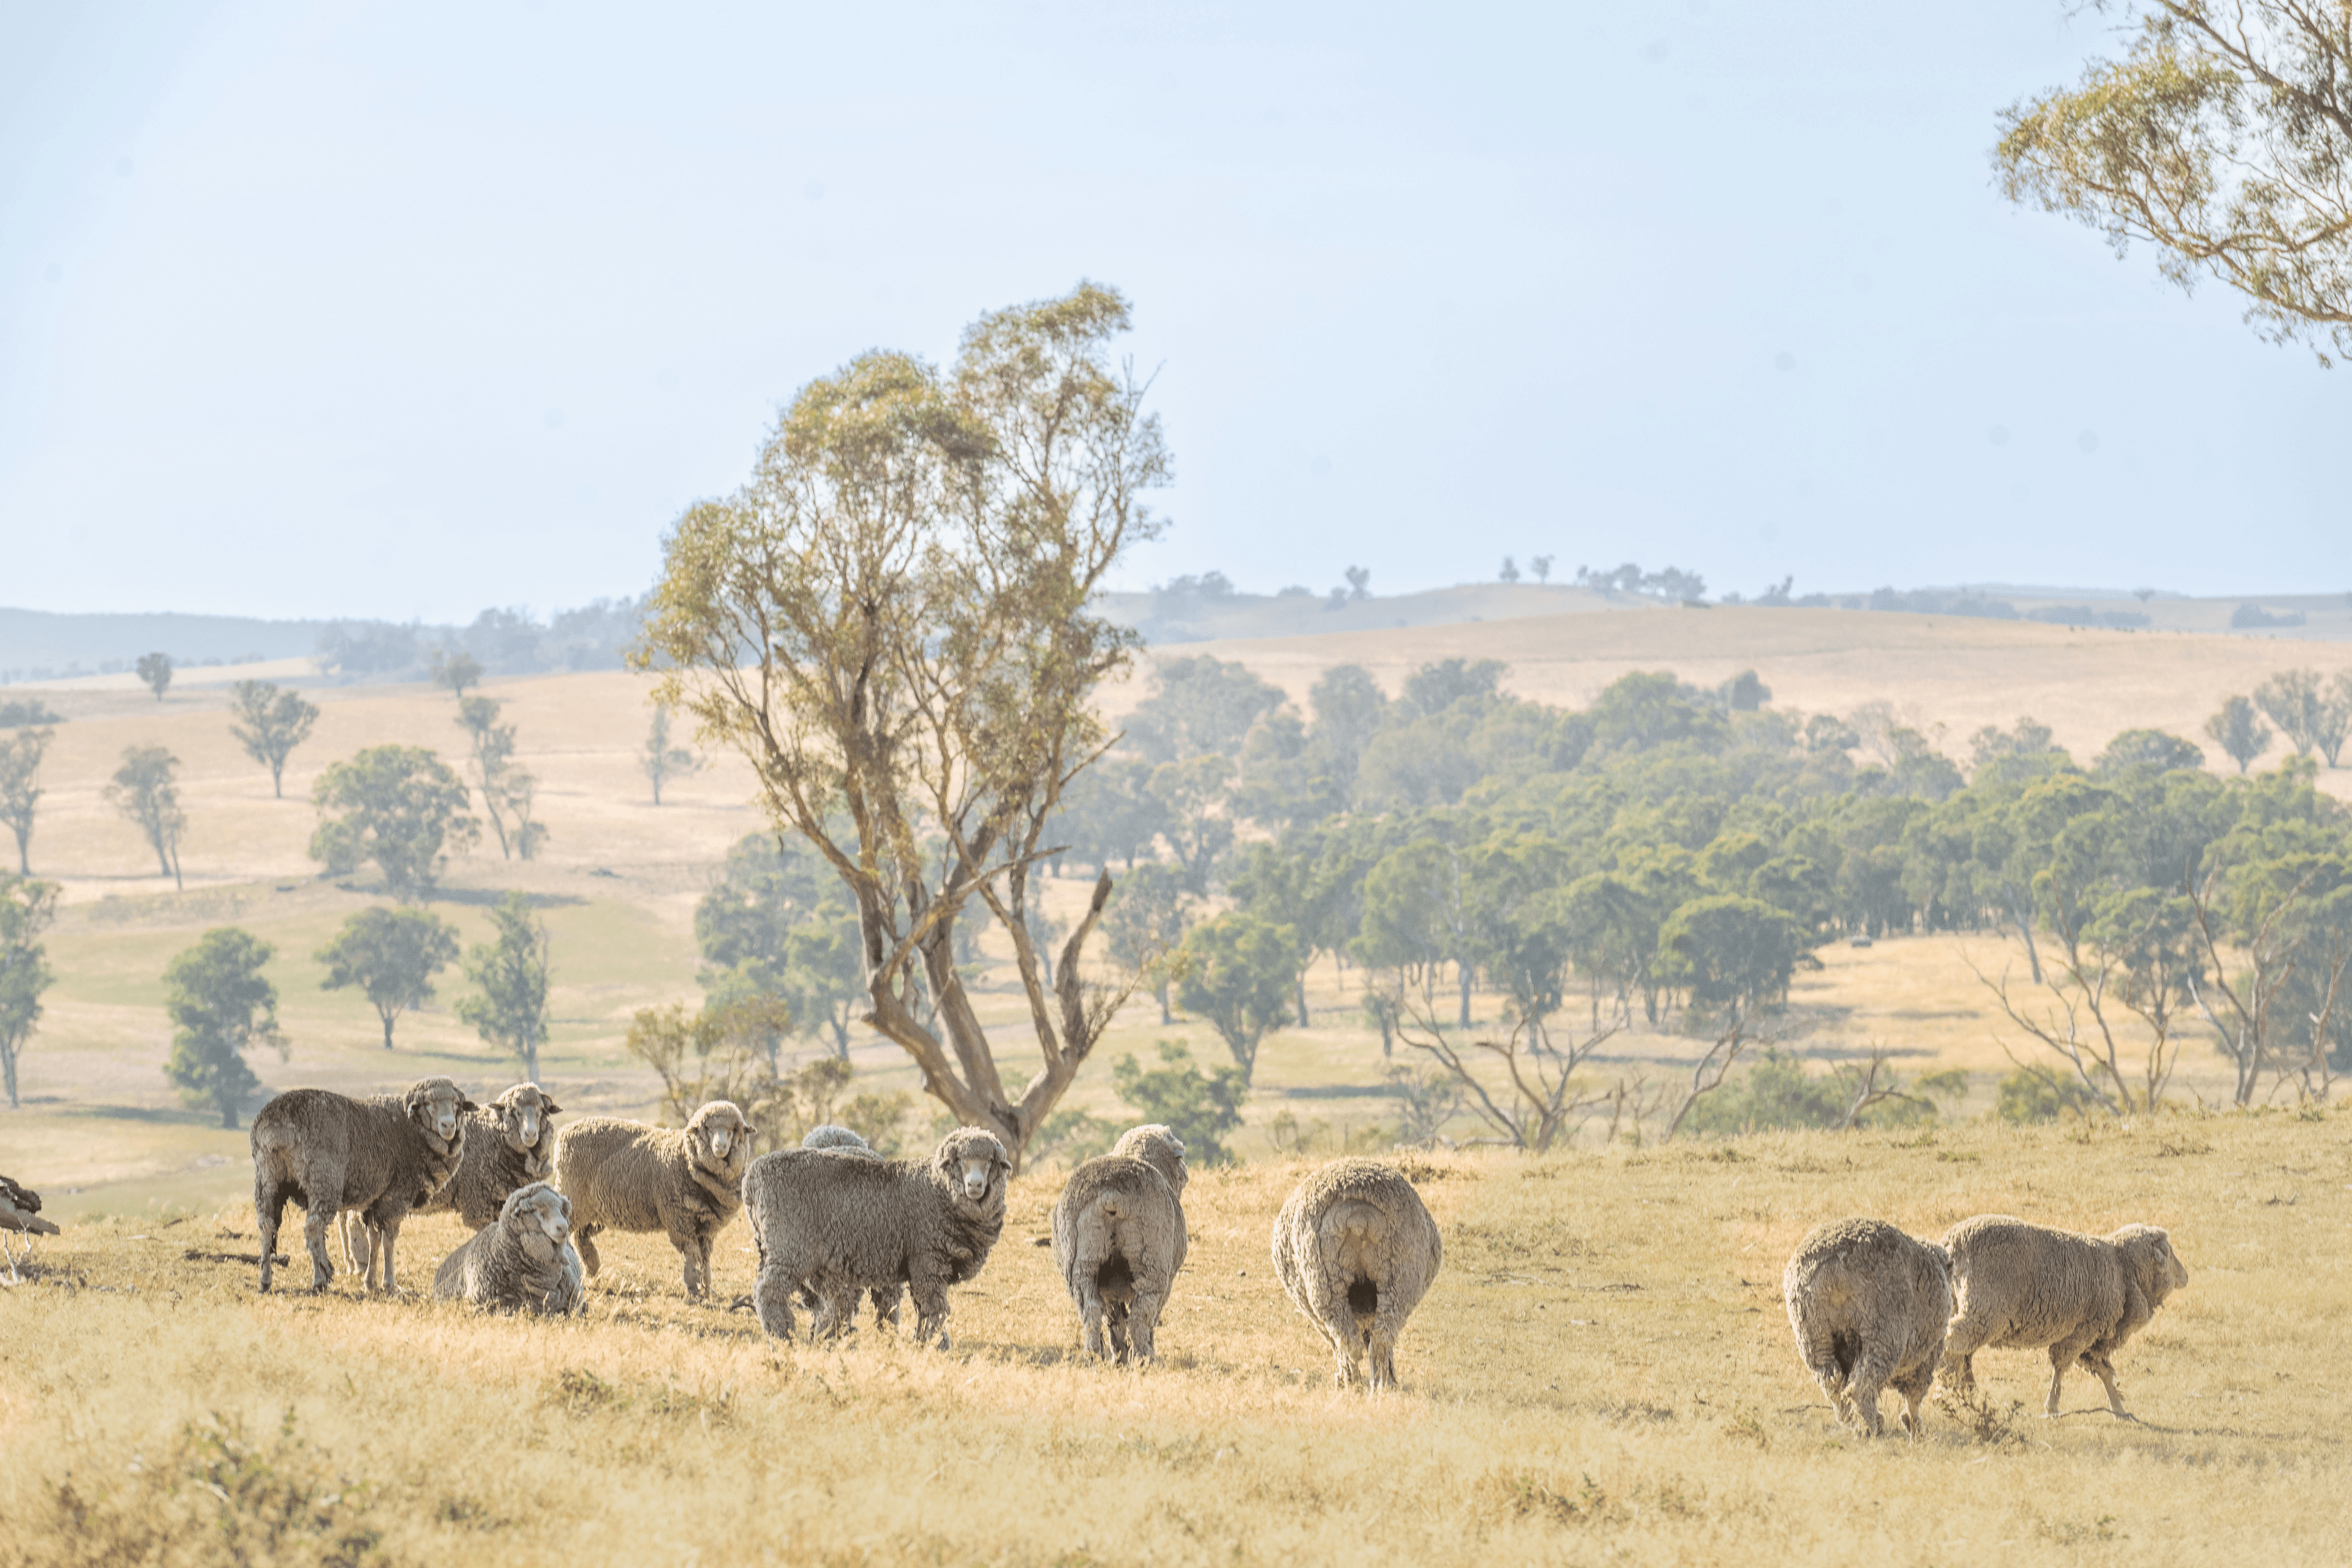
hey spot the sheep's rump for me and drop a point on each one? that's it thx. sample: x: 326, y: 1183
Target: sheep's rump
x: 1356, y: 1250
x: 1868, y: 1303
x: 1119, y: 1241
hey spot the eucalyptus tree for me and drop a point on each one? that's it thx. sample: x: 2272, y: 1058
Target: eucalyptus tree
x: 891, y: 622
x: 269, y: 724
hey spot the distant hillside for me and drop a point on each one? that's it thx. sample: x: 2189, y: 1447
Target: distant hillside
x: 35, y: 645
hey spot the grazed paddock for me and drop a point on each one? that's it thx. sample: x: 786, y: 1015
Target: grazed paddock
x: 1602, y: 1370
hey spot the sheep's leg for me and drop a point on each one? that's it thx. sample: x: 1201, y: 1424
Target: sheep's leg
x: 2062, y: 1356
x: 688, y: 1259
x: 390, y: 1231
x: 268, y: 1212
x: 315, y: 1221
x: 1869, y: 1376
x: 583, y: 1242
x: 1116, y: 1322
x: 930, y: 1312
x: 1091, y: 1314
x: 2102, y: 1365
x: 7, y: 1246
x: 886, y: 1306
x: 772, y: 1294
x: 1913, y: 1386
x: 352, y: 1227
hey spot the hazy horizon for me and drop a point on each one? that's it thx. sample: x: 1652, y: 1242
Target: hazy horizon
x: 325, y: 314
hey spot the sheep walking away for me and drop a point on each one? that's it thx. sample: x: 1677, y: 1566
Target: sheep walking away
x: 1119, y: 1239
x: 384, y: 1156
x: 1356, y: 1250
x: 2017, y: 1286
x: 686, y: 1182
x: 841, y: 1224
x: 20, y: 1214
x: 524, y: 1263
x: 1868, y: 1305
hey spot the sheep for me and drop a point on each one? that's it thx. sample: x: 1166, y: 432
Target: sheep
x: 686, y: 1183
x: 509, y: 1143
x: 1119, y: 1238
x: 1356, y: 1250
x: 525, y: 1262
x: 1868, y: 1305
x: 2019, y: 1286
x: 844, y: 1140
x: 842, y: 1225
x: 20, y: 1214
x: 831, y: 1136
x: 383, y: 1156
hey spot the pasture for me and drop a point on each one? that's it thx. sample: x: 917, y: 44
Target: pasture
x: 1603, y: 1372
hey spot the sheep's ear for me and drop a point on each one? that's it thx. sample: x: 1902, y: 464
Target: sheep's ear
x: 465, y: 1105
x: 548, y: 1108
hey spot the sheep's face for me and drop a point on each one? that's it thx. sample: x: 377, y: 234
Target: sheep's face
x: 973, y: 1163
x: 522, y: 1112
x: 540, y: 1218
x: 723, y: 1138
x: 2159, y: 1269
x: 437, y: 1106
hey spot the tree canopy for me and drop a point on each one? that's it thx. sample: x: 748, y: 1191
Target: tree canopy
x: 220, y: 1004
x: 269, y: 723
x: 400, y: 806
x: 392, y: 956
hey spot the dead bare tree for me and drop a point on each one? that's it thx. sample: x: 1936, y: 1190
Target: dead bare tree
x: 1877, y: 1082
x: 2272, y: 951
x: 1708, y: 1073
x: 1538, y: 1099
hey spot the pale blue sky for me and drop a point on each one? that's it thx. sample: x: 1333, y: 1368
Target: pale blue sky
x: 407, y: 310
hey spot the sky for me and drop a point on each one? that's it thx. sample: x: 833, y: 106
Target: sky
x: 405, y: 310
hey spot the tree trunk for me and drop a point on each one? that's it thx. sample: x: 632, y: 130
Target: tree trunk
x: 278, y: 780
x: 1304, y: 1016
x: 227, y: 1103
x: 2025, y: 929
x: 1464, y: 968
x: 1166, y: 1017
x: 9, y: 1068
x: 530, y: 1061
x: 176, y: 883
x: 386, y: 1016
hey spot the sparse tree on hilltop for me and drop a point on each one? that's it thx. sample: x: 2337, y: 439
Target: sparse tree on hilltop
x: 453, y: 672
x: 661, y: 760
x: 220, y: 1004
x: 26, y: 908
x: 146, y: 790
x: 399, y: 806
x: 271, y: 724
x: 2296, y: 700
x: 508, y: 789
x: 20, y: 788
x: 1541, y: 566
x: 2239, y: 732
x: 155, y: 669
x: 910, y: 571
x: 392, y: 955
x: 1510, y: 572
x: 511, y: 970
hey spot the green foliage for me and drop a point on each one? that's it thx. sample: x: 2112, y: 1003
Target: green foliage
x: 1728, y: 948
x: 399, y: 806
x: 20, y: 788
x: 392, y: 955
x: 269, y: 724
x: 2031, y: 1095
x: 1073, y: 1136
x: 510, y: 1011
x: 1201, y: 707
x: 1200, y: 1108
x: 1778, y: 1092
x: 26, y: 714
x: 2239, y: 732
x: 1239, y: 973
x: 453, y: 672
x: 146, y: 791
x: 220, y: 1004
x: 155, y: 670
x: 508, y: 789
x: 2147, y: 748
x: 26, y: 910
x: 776, y: 923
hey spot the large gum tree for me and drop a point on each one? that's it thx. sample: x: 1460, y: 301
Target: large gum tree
x: 891, y: 621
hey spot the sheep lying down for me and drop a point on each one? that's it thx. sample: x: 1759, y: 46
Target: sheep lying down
x: 1868, y: 1305
x: 2022, y: 1287
x: 524, y: 1263
x: 840, y: 1225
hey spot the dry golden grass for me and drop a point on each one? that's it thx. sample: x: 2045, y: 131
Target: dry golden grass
x: 1603, y: 1370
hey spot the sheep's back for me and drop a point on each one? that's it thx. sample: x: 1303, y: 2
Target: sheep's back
x: 359, y: 1145
x: 1864, y: 1280
x: 2034, y: 1284
x: 615, y: 1172
x: 854, y: 1218
x: 1115, y: 1203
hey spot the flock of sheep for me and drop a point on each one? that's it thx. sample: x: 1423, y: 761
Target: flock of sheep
x: 835, y: 1223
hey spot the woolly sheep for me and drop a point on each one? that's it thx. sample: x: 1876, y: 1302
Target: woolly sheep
x: 831, y: 1136
x: 844, y: 1140
x: 686, y: 1182
x: 842, y: 1225
x: 1868, y: 1305
x: 1356, y: 1250
x: 525, y: 1262
x: 383, y: 1156
x: 509, y: 1143
x: 2021, y: 1287
x: 1119, y: 1238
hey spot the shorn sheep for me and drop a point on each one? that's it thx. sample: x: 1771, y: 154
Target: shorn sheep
x: 1356, y: 1250
x: 384, y: 1156
x: 2021, y: 1287
x: 841, y: 1224
x: 1119, y: 1239
x: 509, y: 1143
x: 686, y: 1182
x: 524, y: 1263
x: 1868, y: 1305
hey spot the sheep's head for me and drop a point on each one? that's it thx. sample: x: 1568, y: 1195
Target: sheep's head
x: 832, y: 1136
x: 974, y: 1165
x: 438, y: 1107
x: 540, y: 1219
x: 1157, y: 1146
x: 720, y: 1137
x: 522, y: 1112
x: 2148, y: 1250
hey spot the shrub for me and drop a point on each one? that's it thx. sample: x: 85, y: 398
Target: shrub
x: 1199, y: 1107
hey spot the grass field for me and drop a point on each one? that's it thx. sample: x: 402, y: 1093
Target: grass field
x: 1603, y: 1372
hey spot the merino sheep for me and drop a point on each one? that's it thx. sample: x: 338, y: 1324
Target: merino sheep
x: 525, y: 1262
x: 20, y: 1214
x: 1119, y: 1238
x: 384, y: 1156
x: 841, y: 1140
x: 842, y: 1225
x: 2021, y: 1287
x: 832, y: 1136
x: 1356, y: 1250
x: 1868, y: 1305
x: 509, y: 1143
x: 686, y: 1182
